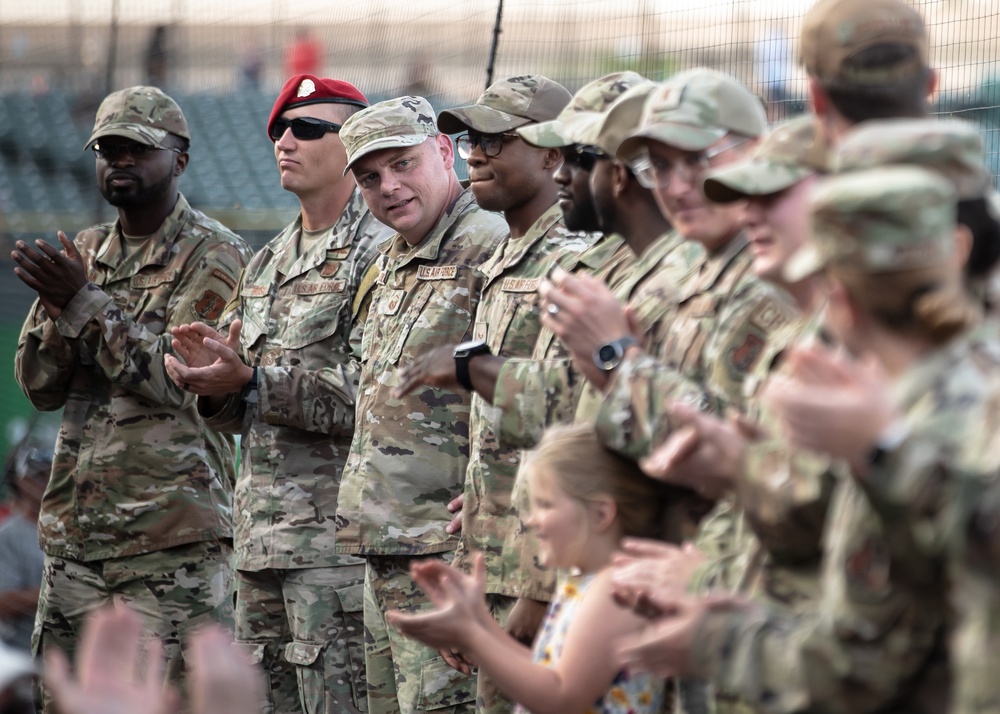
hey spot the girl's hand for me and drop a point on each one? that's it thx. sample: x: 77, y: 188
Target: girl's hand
x: 458, y: 599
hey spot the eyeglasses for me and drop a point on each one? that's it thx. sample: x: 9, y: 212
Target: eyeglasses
x: 135, y: 150
x: 491, y: 144
x: 656, y: 172
x: 303, y: 128
x: 583, y: 156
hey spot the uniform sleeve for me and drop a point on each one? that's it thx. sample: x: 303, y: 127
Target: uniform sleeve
x: 45, y: 361
x: 316, y: 400
x: 129, y: 352
x: 783, y: 664
x: 785, y: 495
x: 633, y: 417
x: 975, y: 599
x: 535, y: 394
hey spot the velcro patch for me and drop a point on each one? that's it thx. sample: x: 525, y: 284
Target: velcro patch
x: 318, y: 287
x: 255, y: 291
x: 520, y: 285
x: 338, y: 253
x: 152, y: 279
x: 228, y: 280
x: 742, y: 358
x: 389, y: 305
x: 209, y: 306
x: 330, y: 269
x: 768, y: 317
x: 437, y: 272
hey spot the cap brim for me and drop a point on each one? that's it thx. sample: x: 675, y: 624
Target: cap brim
x: 387, y: 142
x: 545, y: 135
x: 136, y: 132
x: 680, y: 136
x: 804, y: 262
x: 586, y: 128
x: 477, y: 117
x: 750, y: 178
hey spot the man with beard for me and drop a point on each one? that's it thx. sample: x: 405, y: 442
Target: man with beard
x: 138, y: 505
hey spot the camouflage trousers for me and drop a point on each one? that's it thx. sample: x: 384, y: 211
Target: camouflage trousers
x: 404, y: 676
x: 175, y: 591
x: 489, y: 698
x: 305, y: 628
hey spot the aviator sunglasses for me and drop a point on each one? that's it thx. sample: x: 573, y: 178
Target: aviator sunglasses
x: 303, y: 128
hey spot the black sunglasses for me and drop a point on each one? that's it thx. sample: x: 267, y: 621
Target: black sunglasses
x: 303, y: 128
x: 583, y: 156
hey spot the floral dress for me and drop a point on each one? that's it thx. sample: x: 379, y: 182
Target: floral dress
x: 629, y: 693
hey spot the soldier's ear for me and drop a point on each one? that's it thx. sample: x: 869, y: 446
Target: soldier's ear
x: 552, y: 159
x: 620, y: 177
x: 446, y: 149
x: 181, y: 162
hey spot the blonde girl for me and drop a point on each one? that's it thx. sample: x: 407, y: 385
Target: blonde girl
x: 584, y: 500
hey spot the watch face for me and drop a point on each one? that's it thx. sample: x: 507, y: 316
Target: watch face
x: 606, y: 353
x: 466, y: 346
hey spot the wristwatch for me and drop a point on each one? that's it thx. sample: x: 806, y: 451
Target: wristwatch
x: 462, y: 354
x: 249, y: 393
x: 888, y: 441
x: 609, y: 355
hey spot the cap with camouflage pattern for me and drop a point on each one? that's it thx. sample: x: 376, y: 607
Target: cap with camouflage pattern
x: 392, y: 124
x: 593, y: 97
x: 952, y: 147
x: 608, y: 130
x: 694, y: 109
x: 508, y: 104
x: 142, y: 114
x: 834, y: 30
x: 789, y: 154
x: 880, y: 220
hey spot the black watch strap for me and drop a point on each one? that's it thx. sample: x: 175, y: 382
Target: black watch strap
x: 250, y: 393
x: 462, y: 372
x: 462, y: 354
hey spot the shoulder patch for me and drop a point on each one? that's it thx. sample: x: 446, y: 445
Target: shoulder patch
x: 216, y: 273
x: 768, y: 316
x: 209, y: 306
x: 437, y: 272
x: 743, y: 357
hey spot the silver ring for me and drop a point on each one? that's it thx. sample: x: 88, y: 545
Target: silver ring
x: 553, y: 309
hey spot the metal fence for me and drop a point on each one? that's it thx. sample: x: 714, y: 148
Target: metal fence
x: 224, y: 61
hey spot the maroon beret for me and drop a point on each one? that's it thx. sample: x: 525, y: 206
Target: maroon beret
x: 303, y: 89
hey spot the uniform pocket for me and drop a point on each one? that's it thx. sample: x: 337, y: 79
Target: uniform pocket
x: 314, y: 321
x: 331, y: 674
x: 443, y: 687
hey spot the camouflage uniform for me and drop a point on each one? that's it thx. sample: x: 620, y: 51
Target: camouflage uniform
x: 298, y: 602
x: 509, y: 322
x: 138, y: 506
x: 877, y: 638
x: 409, y: 455
x: 547, y: 389
x: 610, y: 260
